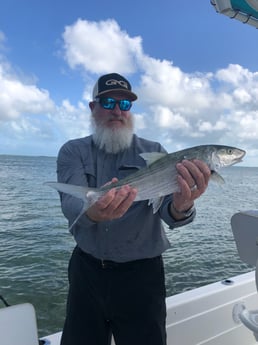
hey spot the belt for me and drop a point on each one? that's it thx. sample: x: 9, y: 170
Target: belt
x: 105, y: 264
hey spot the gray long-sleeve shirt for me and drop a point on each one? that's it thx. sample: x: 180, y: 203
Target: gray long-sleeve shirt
x: 139, y: 233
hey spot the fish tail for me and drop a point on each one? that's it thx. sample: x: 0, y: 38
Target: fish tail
x: 88, y: 195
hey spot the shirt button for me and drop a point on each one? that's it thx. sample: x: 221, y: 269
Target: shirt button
x: 106, y: 229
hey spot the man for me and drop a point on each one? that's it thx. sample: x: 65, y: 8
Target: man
x: 116, y: 276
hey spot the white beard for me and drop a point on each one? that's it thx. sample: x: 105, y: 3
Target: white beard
x: 112, y: 140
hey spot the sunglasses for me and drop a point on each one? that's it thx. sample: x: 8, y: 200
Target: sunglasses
x: 110, y: 103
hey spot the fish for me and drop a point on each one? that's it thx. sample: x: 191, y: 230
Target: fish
x: 159, y: 177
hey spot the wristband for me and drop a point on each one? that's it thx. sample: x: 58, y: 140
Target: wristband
x: 186, y: 213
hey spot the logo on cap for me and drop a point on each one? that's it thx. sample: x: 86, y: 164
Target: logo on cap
x: 117, y: 82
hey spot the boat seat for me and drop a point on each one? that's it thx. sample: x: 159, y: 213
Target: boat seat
x: 245, y: 230
x: 18, y: 325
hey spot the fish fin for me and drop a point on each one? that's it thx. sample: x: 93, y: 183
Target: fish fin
x: 156, y: 203
x: 216, y: 177
x: 77, y: 191
x: 151, y: 157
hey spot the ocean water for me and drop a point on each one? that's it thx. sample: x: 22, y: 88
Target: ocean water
x: 35, y: 245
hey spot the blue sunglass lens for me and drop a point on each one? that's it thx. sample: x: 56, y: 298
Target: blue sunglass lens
x: 107, y: 103
x: 110, y: 103
x: 125, y: 104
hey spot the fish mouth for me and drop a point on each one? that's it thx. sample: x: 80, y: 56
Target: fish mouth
x: 240, y: 156
x: 238, y: 160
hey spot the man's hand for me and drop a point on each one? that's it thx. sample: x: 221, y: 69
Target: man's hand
x: 113, y: 204
x: 193, y: 178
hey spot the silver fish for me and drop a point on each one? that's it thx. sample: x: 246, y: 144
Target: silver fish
x: 159, y: 177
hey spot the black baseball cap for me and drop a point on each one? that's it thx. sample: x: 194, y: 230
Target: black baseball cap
x: 113, y: 82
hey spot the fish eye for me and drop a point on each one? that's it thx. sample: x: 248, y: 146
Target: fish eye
x: 230, y: 151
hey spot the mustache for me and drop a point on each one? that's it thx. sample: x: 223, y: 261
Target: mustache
x: 116, y: 118
x: 101, y: 122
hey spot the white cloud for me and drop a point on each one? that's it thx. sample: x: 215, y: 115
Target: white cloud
x: 249, y: 126
x: 165, y: 118
x: 17, y: 98
x: 242, y: 96
x: 166, y: 84
x: 139, y: 121
x: 235, y: 75
x: 100, y: 47
x: 206, y: 126
x: 71, y: 121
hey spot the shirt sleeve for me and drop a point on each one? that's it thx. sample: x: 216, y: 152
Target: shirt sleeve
x: 70, y: 169
x: 167, y: 217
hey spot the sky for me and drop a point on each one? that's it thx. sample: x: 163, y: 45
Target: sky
x: 195, y: 72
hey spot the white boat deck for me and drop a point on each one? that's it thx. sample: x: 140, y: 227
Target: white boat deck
x: 205, y: 315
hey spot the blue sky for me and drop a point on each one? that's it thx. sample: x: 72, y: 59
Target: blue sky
x: 195, y: 72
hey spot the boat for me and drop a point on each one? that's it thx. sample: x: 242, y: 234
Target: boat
x: 221, y: 313
x: 245, y: 11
